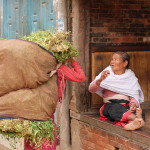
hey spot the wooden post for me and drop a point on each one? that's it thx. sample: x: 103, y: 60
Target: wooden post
x: 1, y: 18
x: 64, y: 118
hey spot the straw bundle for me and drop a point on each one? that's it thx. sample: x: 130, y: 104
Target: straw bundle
x: 56, y: 43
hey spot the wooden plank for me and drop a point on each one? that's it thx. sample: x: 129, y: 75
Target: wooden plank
x: 99, y: 62
x: 12, y: 18
x: 47, y: 15
x: 24, y: 19
x: 21, y: 17
x: 140, y: 68
x: 120, y: 48
x: 81, y: 40
x: 33, y: 10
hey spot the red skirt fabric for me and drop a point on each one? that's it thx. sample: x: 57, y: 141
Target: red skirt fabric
x: 116, y: 111
x: 47, y: 145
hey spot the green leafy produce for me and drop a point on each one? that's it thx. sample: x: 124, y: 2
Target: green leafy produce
x: 35, y: 131
x: 56, y: 43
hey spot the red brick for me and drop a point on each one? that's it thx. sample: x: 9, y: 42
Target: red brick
x: 111, y: 138
x: 103, y: 142
x: 88, y: 144
x: 99, y: 29
x: 144, y: 21
x: 105, y: 145
x: 99, y: 147
x: 134, y: 7
x: 107, y: 15
x: 109, y: 147
x: 100, y: 133
x: 115, y: 144
x: 147, y: 2
x: 125, y: 148
x: 96, y: 139
x: 125, y: 39
x: 133, y: 146
x: 100, y: 143
x: 103, y: 139
x: 122, y: 141
x: 84, y: 131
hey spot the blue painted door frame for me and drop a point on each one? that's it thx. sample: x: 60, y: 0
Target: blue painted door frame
x: 21, y: 17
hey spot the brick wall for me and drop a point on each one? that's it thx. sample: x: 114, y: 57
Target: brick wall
x: 97, y: 139
x: 119, y: 22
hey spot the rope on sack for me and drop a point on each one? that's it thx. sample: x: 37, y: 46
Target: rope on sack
x: 61, y: 104
x: 62, y: 98
x: 55, y: 71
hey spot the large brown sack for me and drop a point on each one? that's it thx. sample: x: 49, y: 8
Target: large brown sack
x: 33, y: 104
x: 26, y: 89
x: 23, y: 64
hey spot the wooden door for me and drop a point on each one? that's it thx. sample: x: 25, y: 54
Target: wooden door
x: 21, y: 17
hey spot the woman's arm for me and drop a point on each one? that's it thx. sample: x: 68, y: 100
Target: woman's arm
x: 133, y: 100
x: 75, y: 73
x: 95, y: 85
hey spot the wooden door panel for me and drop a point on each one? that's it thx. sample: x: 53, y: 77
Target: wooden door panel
x: 100, y: 60
x: 21, y: 17
x: 140, y: 68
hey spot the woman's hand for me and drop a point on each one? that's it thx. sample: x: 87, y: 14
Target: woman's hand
x: 132, y: 107
x: 104, y: 75
x: 69, y: 60
x: 60, y: 99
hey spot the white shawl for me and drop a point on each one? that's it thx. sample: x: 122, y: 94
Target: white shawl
x: 126, y: 84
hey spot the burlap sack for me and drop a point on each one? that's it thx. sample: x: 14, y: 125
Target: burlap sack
x: 26, y: 90
x: 33, y: 104
x: 23, y: 64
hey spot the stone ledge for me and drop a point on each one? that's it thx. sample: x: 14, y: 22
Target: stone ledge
x: 139, y: 136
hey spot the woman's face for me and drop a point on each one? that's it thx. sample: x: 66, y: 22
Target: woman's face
x: 117, y: 64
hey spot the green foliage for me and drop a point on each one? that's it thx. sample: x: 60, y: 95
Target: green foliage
x: 56, y: 43
x: 40, y: 37
x: 35, y: 131
x: 41, y: 130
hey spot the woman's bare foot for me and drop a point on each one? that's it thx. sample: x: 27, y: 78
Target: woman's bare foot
x: 136, y: 124
x: 131, y: 117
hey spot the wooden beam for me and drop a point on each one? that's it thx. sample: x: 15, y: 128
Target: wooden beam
x: 120, y: 48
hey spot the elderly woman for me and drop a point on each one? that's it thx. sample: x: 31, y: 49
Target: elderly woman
x: 121, y: 92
